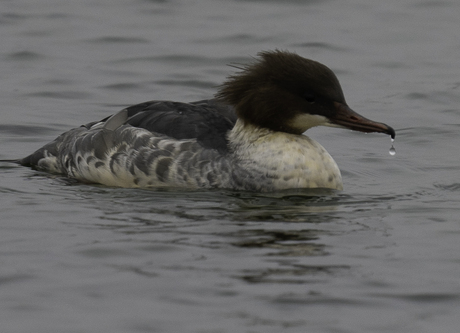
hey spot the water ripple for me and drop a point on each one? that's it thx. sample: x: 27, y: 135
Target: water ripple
x: 117, y: 39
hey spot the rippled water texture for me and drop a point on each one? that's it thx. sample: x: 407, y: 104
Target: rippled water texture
x: 381, y: 256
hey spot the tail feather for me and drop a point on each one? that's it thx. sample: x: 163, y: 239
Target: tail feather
x: 11, y: 161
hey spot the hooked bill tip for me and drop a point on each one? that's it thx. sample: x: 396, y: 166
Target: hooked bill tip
x: 391, y: 132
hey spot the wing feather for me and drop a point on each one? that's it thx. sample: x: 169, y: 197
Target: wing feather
x: 207, y: 121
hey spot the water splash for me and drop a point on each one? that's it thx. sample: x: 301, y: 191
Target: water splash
x: 392, y: 149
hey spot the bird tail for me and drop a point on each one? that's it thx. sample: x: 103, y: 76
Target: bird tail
x: 17, y: 161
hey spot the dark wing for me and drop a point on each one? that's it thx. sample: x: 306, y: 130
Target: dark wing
x: 207, y: 121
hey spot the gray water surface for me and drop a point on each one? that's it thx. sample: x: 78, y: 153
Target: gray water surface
x: 381, y: 256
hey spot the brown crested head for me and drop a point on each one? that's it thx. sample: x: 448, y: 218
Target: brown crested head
x: 285, y: 92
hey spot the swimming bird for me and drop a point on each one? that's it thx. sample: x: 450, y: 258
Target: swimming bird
x: 249, y: 137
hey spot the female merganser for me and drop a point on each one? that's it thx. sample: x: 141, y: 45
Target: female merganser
x: 248, y: 138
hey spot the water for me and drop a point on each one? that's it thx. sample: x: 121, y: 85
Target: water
x: 381, y: 256
x: 392, y: 150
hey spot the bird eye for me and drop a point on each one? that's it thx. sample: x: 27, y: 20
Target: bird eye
x: 309, y: 97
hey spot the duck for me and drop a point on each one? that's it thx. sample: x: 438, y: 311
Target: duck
x: 249, y: 137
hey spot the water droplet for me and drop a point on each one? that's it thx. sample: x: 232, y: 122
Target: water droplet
x: 392, y: 151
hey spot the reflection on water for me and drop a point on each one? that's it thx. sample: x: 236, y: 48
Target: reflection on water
x: 152, y: 207
x: 283, y: 242
x: 295, y: 274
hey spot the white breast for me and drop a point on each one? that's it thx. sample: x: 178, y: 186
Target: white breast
x: 285, y: 160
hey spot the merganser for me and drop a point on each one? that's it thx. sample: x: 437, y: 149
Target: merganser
x: 249, y: 137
